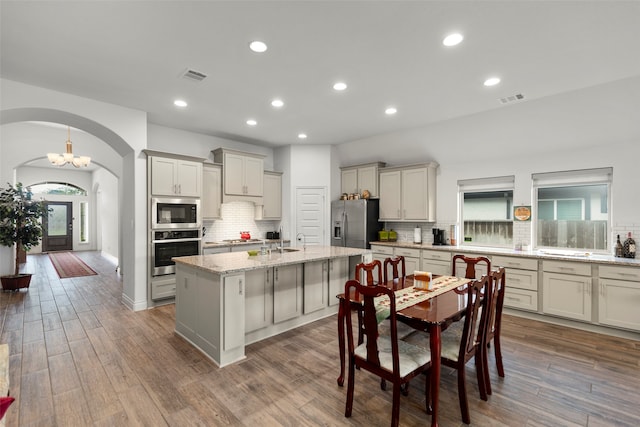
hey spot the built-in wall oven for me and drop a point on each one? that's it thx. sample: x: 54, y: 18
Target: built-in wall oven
x: 174, y: 213
x: 167, y: 244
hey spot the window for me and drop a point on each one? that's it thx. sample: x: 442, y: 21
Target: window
x: 84, y: 222
x: 572, y: 209
x: 57, y: 188
x: 486, y: 211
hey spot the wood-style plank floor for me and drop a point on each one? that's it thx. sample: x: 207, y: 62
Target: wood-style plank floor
x: 78, y: 357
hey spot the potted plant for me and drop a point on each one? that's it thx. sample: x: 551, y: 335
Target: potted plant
x: 20, y: 225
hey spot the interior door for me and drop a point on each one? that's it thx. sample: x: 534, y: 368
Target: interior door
x: 310, y: 215
x: 58, y: 227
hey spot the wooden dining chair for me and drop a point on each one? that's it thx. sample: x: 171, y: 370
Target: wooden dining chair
x: 470, y: 272
x: 494, y: 320
x: 371, y: 270
x: 388, y: 357
x: 397, y: 265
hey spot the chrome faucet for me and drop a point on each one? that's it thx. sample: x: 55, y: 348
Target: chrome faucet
x: 304, y: 241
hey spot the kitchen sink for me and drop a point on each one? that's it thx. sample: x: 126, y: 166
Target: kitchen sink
x: 290, y: 249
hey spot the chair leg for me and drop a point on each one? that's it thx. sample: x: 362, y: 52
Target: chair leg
x: 383, y: 384
x: 462, y: 396
x: 350, y: 387
x: 482, y: 372
x: 395, y: 410
x: 498, y: 351
x: 427, y: 393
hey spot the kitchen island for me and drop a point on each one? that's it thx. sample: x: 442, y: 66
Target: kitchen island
x: 228, y: 300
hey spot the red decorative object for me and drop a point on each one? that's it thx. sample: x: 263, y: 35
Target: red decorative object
x: 245, y: 235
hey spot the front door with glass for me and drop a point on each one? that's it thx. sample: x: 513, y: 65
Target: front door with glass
x: 58, y: 227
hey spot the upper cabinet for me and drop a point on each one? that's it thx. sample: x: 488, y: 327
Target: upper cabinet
x: 408, y: 193
x: 211, y: 191
x: 242, y: 175
x: 356, y: 179
x: 271, y: 209
x: 175, y: 177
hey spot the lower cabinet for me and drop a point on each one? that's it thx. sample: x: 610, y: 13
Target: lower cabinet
x: 233, y: 308
x: 186, y: 298
x: 566, y: 289
x: 316, y: 283
x: 411, y: 258
x: 258, y: 299
x: 287, y: 292
x: 380, y: 252
x: 436, y: 262
x: 521, y: 291
x: 619, y: 297
x: 338, y: 276
x: 163, y: 287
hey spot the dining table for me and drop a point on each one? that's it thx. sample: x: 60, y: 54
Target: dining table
x: 432, y: 311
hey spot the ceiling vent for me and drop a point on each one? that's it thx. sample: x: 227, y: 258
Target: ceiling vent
x: 194, y: 75
x: 512, y: 98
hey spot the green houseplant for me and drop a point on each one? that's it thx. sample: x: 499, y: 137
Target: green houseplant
x: 20, y: 225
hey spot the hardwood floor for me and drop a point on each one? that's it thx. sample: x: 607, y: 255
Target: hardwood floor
x: 78, y: 357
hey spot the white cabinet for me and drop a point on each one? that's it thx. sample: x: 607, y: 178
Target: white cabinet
x: 216, y: 250
x: 211, y: 191
x: 411, y: 258
x: 619, y: 297
x: 186, y: 298
x: 408, y: 194
x: 287, y: 292
x: 258, y: 299
x: 380, y: 253
x: 316, y: 283
x: 242, y: 173
x: 338, y: 276
x: 163, y: 287
x: 175, y: 177
x: 356, y: 179
x: 436, y: 262
x: 233, y: 311
x: 566, y: 289
x: 521, y: 291
x: 271, y: 209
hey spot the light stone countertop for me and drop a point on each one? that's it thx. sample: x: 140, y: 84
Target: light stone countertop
x: 567, y: 255
x: 234, y: 262
x: 222, y: 244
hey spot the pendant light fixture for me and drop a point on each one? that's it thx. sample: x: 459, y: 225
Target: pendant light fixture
x: 62, y: 159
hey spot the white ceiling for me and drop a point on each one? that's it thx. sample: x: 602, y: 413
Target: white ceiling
x: 133, y: 53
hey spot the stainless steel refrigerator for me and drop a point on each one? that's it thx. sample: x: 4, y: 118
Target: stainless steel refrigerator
x: 354, y: 223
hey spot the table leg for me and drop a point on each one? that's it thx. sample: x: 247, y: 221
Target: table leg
x: 435, y: 345
x: 341, y: 326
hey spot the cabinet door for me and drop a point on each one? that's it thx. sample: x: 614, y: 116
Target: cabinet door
x: 415, y: 197
x: 368, y: 180
x: 566, y: 295
x: 253, y: 176
x: 258, y: 299
x: 186, y: 299
x: 211, y: 192
x: 411, y: 264
x: 619, y: 303
x: 233, y: 307
x: 163, y: 176
x: 316, y: 277
x: 349, y: 181
x: 390, y: 197
x: 189, y: 179
x: 338, y: 276
x: 234, y: 174
x: 272, y: 208
x: 436, y: 267
x: 287, y: 292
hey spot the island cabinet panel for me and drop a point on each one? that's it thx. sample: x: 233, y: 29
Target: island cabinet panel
x: 233, y: 307
x: 287, y: 292
x: 258, y: 299
x: 619, y: 297
x: 338, y: 276
x: 316, y: 282
x: 566, y: 295
x: 186, y: 298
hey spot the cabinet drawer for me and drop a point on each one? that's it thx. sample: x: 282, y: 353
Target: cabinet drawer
x: 580, y: 269
x: 522, y: 279
x: 436, y: 267
x: 385, y: 250
x: 521, y: 299
x: 407, y: 252
x: 437, y: 255
x: 514, y: 262
x: 163, y: 289
x: 620, y: 273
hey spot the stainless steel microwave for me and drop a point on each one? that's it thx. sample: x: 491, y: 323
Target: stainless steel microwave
x: 175, y: 213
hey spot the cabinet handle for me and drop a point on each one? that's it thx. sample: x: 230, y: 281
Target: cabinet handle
x: 266, y: 273
x: 240, y: 287
x: 276, y: 278
x: 398, y: 213
x: 180, y: 188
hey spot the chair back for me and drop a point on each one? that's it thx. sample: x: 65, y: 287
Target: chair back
x: 371, y: 269
x: 470, y: 272
x: 478, y: 297
x: 397, y: 266
x: 494, y: 314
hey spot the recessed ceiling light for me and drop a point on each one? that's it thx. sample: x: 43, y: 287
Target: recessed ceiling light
x: 492, y: 81
x: 180, y: 103
x: 277, y: 103
x: 302, y: 135
x: 251, y: 122
x: 453, y: 39
x: 340, y: 86
x: 391, y: 110
x: 257, y: 46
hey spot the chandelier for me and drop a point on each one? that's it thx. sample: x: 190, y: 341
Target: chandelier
x: 62, y: 159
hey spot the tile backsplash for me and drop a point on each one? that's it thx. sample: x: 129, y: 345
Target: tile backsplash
x: 237, y: 217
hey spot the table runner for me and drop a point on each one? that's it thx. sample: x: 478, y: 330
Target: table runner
x: 409, y: 296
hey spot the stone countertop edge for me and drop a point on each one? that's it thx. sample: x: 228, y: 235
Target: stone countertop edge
x: 593, y: 258
x: 235, y: 262
x: 207, y: 245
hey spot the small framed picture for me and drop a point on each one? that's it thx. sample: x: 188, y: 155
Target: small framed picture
x: 522, y: 213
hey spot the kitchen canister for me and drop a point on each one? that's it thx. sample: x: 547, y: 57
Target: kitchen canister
x: 417, y: 235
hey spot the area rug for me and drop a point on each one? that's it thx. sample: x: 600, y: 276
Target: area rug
x: 68, y: 265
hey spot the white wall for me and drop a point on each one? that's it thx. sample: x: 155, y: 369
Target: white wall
x: 107, y: 217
